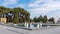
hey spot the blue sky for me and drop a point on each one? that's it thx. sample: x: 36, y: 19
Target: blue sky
x: 51, y: 8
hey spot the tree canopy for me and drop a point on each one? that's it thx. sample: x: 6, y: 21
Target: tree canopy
x: 43, y: 19
x: 16, y: 11
x: 51, y: 20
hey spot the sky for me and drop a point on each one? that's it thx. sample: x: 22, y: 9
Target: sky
x: 51, y: 8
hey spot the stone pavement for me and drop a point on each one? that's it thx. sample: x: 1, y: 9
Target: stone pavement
x: 11, y: 30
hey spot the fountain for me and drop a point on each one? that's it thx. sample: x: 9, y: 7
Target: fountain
x: 40, y: 24
x: 31, y: 25
x: 26, y: 25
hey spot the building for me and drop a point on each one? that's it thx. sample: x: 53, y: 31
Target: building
x: 3, y: 20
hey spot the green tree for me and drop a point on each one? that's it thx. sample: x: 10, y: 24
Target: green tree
x: 45, y: 19
x: 16, y: 11
x: 23, y: 12
x: 51, y: 20
x: 35, y: 19
x: 40, y: 18
x: 28, y: 17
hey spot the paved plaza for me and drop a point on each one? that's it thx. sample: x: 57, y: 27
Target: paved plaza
x: 11, y: 30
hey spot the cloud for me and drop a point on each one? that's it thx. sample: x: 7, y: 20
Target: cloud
x: 38, y: 3
x: 41, y: 6
x: 21, y: 5
x: 9, y: 2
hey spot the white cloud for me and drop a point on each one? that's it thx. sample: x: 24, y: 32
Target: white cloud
x: 9, y: 2
x: 43, y: 7
x: 21, y: 5
x: 34, y: 4
x: 37, y: 2
x: 49, y: 6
